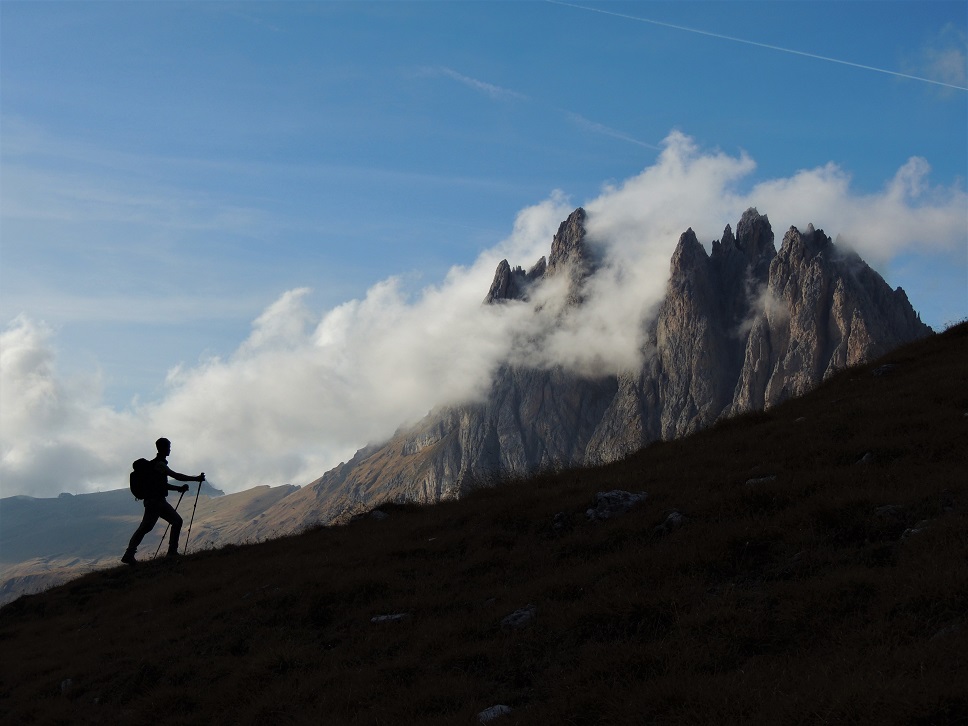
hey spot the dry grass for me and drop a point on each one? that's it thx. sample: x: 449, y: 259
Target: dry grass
x: 792, y: 599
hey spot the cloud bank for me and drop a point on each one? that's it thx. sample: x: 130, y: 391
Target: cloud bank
x: 307, y: 388
x: 945, y: 58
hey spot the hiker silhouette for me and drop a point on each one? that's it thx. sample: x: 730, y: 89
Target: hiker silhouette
x: 156, y: 502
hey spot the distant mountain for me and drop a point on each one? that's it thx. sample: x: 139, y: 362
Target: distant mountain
x: 743, y: 328
x: 47, y: 541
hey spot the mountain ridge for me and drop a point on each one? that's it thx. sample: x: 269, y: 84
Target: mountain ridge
x: 742, y: 328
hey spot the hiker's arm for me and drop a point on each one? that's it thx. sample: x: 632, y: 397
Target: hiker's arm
x: 184, y: 477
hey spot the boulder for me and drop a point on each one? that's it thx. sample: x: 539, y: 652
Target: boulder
x: 520, y: 618
x: 614, y: 503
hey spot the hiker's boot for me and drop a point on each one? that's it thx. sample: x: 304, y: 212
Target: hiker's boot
x: 128, y: 558
x: 173, y: 546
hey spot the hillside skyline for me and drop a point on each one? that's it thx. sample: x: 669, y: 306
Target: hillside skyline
x: 813, y: 551
x: 324, y: 189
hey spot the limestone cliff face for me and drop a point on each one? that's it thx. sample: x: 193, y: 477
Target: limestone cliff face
x: 741, y: 328
x: 822, y: 310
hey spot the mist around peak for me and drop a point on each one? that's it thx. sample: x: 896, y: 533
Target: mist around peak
x: 308, y: 387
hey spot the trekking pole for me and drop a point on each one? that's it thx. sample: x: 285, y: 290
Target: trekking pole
x: 198, y: 491
x: 168, y: 525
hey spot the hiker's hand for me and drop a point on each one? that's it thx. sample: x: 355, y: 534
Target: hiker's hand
x: 183, y: 488
x: 201, y: 477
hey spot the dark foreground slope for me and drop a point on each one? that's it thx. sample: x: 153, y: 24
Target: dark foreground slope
x: 820, y: 576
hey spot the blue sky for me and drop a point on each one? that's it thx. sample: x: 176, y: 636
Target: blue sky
x: 171, y: 174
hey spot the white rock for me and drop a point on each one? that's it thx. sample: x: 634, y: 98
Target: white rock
x: 760, y: 480
x: 520, y: 618
x: 614, y: 503
x: 489, y: 714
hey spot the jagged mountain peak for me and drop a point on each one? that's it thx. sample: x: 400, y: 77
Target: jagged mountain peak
x: 753, y: 240
x: 688, y: 255
x: 538, y: 269
x: 506, y: 283
x: 570, y: 255
x: 568, y: 247
x: 512, y: 283
x: 807, y: 244
x: 753, y: 229
x: 741, y: 329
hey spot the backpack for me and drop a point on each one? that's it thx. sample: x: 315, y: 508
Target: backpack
x: 140, y: 478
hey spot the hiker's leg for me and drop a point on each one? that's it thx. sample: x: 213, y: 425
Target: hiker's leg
x: 147, y: 524
x: 168, y: 513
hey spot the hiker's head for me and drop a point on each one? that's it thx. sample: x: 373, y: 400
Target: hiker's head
x: 164, y: 446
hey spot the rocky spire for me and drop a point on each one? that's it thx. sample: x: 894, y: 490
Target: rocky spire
x: 570, y: 255
x: 754, y: 238
x: 728, y: 242
x: 512, y: 283
x: 568, y: 247
x: 689, y: 255
x: 507, y: 284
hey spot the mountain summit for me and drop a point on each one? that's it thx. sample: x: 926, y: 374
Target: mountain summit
x: 569, y: 256
x: 742, y: 328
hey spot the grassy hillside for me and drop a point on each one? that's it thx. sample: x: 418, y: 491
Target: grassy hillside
x: 820, y: 575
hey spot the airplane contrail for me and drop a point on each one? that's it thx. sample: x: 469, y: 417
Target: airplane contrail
x: 761, y: 45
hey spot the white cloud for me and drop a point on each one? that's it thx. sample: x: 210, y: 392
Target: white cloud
x: 907, y: 215
x: 945, y: 59
x: 308, y: 387
x: 55, y: 436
